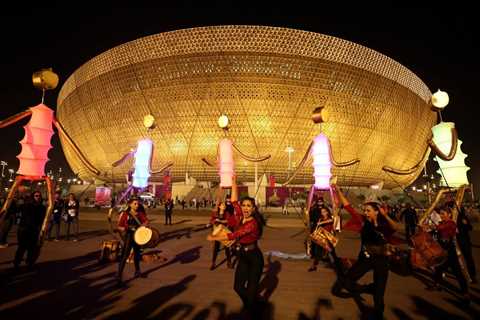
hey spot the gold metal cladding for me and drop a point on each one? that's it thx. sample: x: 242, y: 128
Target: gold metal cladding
x: 267, y: 81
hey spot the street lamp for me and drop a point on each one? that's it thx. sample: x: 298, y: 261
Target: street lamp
x: 3, y: 164
x: 290, y: 150
x: 11, y: 174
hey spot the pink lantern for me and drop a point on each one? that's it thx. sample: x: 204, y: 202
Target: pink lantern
x: 225, y: 162
x: 321, y: 161
x: 36, y: 143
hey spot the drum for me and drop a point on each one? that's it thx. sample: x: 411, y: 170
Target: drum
x: 427, y: 252
x: 110, y: 251
x: 323, y: 238
x: 146, y: 237
x: 220, y: 229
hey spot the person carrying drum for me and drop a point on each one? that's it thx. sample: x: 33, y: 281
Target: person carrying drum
x: 248, y: 225
x: 446, y: 231
x: 376, y: 229
x: 221, y: 216
x: 320, y: 215
x: 132, y: 218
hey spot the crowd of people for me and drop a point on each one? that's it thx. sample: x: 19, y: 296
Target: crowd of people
x: 243, y: 224
x: 65, y: 212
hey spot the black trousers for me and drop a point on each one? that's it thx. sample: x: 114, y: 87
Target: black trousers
x: 137, y: 254
x: 452, y: 261
x: 55, y: 223
x: 466, y: 248
x: 27, y: 242
x: 74, y: 221
x: 6, y: 227
x: 409, y: 230
x: 216, y: 249
x: 379, y: 265
x: 247, y: 276
x: 168, y: 216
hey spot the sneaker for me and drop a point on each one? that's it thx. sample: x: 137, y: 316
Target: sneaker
x: 3, y: 245
x: 138, y: 274
x: 75, y: 240
x: 312, y: 269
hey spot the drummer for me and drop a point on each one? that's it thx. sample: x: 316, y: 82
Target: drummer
x: 447, y: 230
x: 130, y: 219
x: 320, y: 215
x: 221, y: 216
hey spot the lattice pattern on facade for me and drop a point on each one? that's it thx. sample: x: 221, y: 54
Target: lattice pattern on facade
x: 267, y: 80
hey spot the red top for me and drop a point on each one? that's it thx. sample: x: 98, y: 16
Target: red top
x: 356, y: 224
x: 327, y: 226
x: 123, y: 221
x: 222, y: 219
x: 246, y: 233
x: 447, y: 230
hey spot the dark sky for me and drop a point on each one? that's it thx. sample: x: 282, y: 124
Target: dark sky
x: 439, y: 46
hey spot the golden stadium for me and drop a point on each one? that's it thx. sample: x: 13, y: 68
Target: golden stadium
x: 267, y: 80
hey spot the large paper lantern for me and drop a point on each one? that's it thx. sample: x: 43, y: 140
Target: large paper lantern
x: 36, y: 143
x: 322, y: 164
x: 225, y: 163
x: 142, y: 163
x: 455, y: 170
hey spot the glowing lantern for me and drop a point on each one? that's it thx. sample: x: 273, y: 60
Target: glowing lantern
x: 440, y: 99
x: 455, y: 170
x: 142, y: 163
x: 321, y: 161
x: 225, y: 162
x: 36, y: 143
x: 223, y: 121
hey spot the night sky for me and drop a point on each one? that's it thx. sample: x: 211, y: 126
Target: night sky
x: 439, y: 46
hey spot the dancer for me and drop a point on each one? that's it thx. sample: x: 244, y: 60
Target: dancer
x: 248, y: 225
x: 376, y: 229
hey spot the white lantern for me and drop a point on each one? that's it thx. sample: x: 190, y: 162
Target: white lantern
x: 223, y: 121
x: 225, y: 162
x: 455, y: 170
x: 440, y: 99
x: 321, y: 162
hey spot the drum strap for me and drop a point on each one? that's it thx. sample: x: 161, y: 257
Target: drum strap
x: 135, y: 218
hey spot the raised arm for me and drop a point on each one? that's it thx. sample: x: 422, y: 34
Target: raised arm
x: 343, y: 200
x: 123, y: 159
x: 234, y: 196
x: 249, y: 158
x: 75, y: 148
x: 15, y: 118
x: 163, y: 167
x: 391, y: 222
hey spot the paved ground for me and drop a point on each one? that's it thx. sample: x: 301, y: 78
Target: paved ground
x: 69, y: 283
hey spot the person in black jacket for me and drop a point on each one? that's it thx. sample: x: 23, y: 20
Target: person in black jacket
x: 168, y: 211
x: 8, y: 222
x: 463, y: 237
x: 72, y: 210
x: 411, y: 221
x: 58, y: 210
x: 33, y: 214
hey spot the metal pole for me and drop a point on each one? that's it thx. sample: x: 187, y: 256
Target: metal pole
x: 256, y: 180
